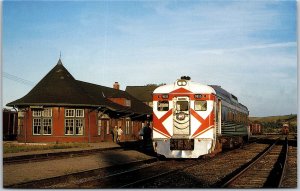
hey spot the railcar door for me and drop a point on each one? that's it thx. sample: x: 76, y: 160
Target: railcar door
x: 181, y: 116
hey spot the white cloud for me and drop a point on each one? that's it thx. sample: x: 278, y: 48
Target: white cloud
x: 246, y: 47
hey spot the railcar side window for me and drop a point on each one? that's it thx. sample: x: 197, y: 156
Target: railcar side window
x: 163, y: 106
x: 200, y: 105
x: 182, y: 105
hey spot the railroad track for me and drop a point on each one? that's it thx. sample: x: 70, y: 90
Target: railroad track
x: 198, y: 173
x: 289, y: 179
x: 136, y: 177
x: 171, y: 173
x: 207, y: 173
x: 264, y: 172
x: 76, y: 180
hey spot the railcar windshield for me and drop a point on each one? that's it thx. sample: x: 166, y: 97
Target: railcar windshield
x: 163, y: 106
x: 200, y: 105
x: 182, y: 105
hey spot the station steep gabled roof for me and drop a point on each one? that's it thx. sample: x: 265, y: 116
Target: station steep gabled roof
x: 60, y: 88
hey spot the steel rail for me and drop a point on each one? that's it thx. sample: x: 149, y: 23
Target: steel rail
x: 148, y: 178
x: 249, y: 166
x: 49, y: 182
x: 285, y: 162
x: 156, y: 176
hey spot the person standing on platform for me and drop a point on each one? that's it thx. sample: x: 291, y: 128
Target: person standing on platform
x: 147, y: 133
x: 115, y: 134
x: 120, y: 132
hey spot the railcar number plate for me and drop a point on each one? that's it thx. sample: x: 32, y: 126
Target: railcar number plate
x: 182, y: 144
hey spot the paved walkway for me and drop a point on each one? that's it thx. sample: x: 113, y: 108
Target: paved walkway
x: 21, y: 173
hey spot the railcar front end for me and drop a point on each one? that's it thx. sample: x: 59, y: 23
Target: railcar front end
x: 184, y: 123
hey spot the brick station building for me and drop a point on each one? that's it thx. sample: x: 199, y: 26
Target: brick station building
x: 62, y: 109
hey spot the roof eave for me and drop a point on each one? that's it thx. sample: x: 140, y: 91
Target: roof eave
x: 52, y: 104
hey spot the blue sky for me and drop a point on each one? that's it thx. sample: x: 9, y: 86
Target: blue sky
x: 247, y: 47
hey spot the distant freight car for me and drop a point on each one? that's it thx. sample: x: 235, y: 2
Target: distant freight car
x: 191, y: 119
x: 255, y: 129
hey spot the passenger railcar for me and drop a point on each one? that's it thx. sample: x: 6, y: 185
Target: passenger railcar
x: 191, y: 119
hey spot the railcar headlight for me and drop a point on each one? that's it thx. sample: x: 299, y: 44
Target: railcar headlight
x: 181, y: 83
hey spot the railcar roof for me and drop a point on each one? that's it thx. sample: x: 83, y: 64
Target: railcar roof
x: 191, y: 86
x: 227, y: 96
x: 221, y: 92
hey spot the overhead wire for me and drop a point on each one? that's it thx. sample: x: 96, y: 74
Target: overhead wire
x: 18, y: 79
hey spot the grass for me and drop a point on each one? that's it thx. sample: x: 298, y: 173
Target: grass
x: 274, y: 123
x: 287, y: 118
x: 13, y: 147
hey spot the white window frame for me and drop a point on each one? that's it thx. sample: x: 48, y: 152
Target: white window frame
x: 99, y: 126
x: 47, y: 124
x: 69, y: 126
x: 37, y: 123
x: 79, y: 112
x: 36, y: 113
x: 79, y: 126
x: 20, y: 125
x: 74, y: 122
x: 47, y: 112
x: 42, y: 119
x: 107, y: 130
x: 127, y: 127
x: 70, y: 113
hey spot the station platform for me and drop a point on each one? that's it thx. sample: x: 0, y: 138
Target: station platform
x: 18, y: 173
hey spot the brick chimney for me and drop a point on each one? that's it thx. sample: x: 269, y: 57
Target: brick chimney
x: 116, y: 86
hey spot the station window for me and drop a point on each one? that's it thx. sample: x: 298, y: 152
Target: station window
x: 37, y: 126
x: 36, y: 113
x: 79, y: 113
x: 107, y: 128
x: 99, y: 124
x: 127, y: 127
x: 20, y: 125
x: 70, y: 113
x: 74, y: 122
x: 42, y: 121
x: 163, y: 105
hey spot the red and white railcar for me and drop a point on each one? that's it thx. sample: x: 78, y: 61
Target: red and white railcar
x: 191, y: 119
x: 184, y: 119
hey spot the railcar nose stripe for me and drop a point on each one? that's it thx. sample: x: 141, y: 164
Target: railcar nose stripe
x: 159, y: 123
x: 204, y: 122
